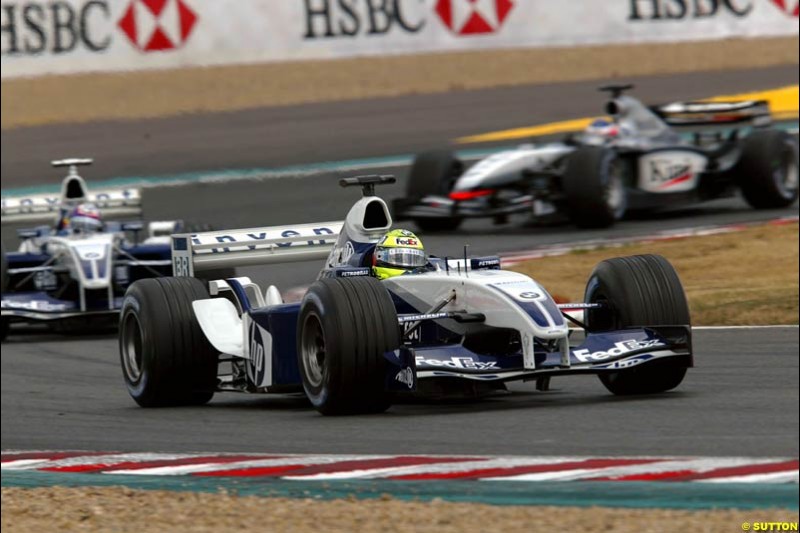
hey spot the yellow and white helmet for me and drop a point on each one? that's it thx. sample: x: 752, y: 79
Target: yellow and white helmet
x: 398, y: 252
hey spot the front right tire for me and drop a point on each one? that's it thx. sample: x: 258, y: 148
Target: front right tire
x: 638, y: 291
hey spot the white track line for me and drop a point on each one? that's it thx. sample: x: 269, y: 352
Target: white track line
x: 773, y: 326
x: 85, y: 460
x: 310, y: 460
x: 434, y: 468
x: 695, y: 465
x: 773, y: 477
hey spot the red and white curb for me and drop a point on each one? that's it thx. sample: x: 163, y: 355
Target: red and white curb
x: 411, y: 467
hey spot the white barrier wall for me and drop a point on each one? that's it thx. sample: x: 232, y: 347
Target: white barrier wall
x: 69, y: 36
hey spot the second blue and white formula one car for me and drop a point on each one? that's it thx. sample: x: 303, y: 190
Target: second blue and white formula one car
x: 355, y: 343
x: 65, y: 274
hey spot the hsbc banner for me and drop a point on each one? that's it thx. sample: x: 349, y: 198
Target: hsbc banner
x: 72, y: 36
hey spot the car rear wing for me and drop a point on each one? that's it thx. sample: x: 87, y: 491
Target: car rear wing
x: 44, y: 208
x: 194, y: 252
x: 754, y: 113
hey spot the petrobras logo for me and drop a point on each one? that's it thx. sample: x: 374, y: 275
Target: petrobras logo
x: 620, y: 348
x: 456, y: 363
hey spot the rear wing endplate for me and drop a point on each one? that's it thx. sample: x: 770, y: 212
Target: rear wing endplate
x: 43, y: 208
x: 194, y: 252
x: 721, y: 114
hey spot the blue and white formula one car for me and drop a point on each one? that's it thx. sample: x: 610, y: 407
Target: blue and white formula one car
x: 446, y: 327
x: 78, y: 266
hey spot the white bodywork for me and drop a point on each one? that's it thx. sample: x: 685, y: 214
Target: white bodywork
x: 500, y: 295
x: 510, y: 163
x: 497, y: 294
x: 253, y: 246
x: 46, y: 208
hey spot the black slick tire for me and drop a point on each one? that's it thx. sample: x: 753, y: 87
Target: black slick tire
x: 166, y: 359
x: 344, y: 328
x: 637, y: 291
x: 767, y: 170
x: 433, y: 174
x: 593, y: 187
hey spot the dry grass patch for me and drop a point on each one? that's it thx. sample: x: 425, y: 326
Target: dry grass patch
x: 122, y: 510
x: 748, y: 277
x: 146, y: 94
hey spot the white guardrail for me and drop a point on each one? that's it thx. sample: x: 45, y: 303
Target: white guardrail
x: 71, y: 36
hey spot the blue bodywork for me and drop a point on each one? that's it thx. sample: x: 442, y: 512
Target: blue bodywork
x: 437, y: 352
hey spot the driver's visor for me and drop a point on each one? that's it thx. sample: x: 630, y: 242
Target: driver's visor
x: 401, y: 257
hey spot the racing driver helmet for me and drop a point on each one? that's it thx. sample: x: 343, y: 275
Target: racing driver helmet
x: 398, y: 252
x: 84, y: 218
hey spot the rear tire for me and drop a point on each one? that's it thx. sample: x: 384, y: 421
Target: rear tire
x: 166, y: 359
x: 594, y: 187
x: 434, y: 174
x: 641, y: 290
x: 767, y: 171
x: 344, y: 328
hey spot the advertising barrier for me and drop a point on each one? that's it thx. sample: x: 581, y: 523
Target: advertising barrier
x: 72, y: 36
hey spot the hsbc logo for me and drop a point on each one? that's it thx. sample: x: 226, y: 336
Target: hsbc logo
x: 59, y: 27
x: 789, y: 7
x: 157, y: 25
x: 326, y: 19
x: 473, y: 17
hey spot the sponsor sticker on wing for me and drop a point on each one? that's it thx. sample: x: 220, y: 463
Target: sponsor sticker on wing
x: 620, y: 348
x: 460, y: 363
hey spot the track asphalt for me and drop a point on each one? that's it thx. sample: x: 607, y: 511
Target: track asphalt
x: 67, y: 392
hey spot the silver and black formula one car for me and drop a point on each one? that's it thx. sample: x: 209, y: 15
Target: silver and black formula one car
x: 639, y: 160
x: 65, y: 275
x: 451, y: 327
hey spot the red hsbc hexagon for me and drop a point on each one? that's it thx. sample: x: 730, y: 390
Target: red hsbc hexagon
x: 473, y: 17
x: 157, y: 25
x: 790, y: 7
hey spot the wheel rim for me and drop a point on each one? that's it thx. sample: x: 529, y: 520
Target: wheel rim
x: 131, y: 346
x: 615, y: 191
x: 312, y: 350
x: 785, y: 173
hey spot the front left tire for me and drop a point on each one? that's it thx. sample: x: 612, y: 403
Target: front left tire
x: 433, y: 174
x: 594, y: 187
x: 344, y: 328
